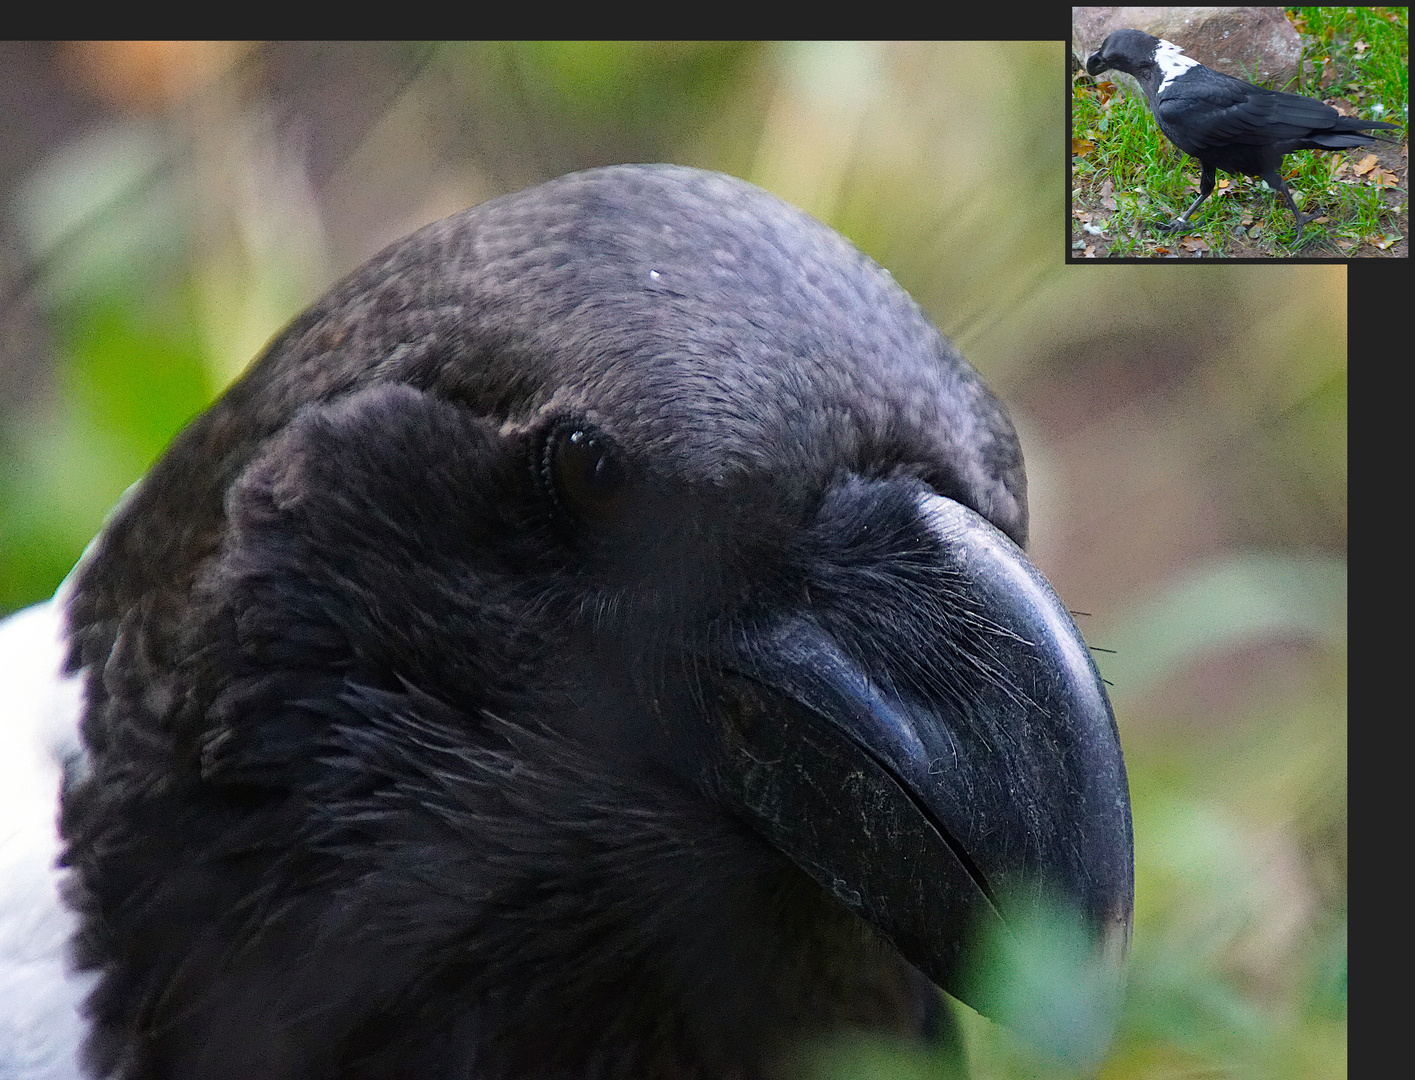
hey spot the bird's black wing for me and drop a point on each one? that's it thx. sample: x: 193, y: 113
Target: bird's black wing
x: 1215, y: 111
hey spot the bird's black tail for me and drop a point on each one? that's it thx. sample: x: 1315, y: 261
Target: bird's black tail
x: 1350, y: 131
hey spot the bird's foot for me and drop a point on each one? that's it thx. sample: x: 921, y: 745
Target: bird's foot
x: 1300, y: 222
x: 1179, y: 224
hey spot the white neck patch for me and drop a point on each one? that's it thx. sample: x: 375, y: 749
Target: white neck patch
x: 1172, y: 62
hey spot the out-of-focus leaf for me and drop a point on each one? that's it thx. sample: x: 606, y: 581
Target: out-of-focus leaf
x: 99, y: 209
x: 1043, y: 980
x: 73, y: 463
x: 1221, y: 605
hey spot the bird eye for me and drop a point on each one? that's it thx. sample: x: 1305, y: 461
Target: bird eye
x: 583, y: 472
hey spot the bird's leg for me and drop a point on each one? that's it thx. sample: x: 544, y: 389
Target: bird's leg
x: 1206, y: 185
x: 1274, y: 180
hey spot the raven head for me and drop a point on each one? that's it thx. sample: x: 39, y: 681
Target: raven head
x: 592, y: 641
x: 1130, y: 51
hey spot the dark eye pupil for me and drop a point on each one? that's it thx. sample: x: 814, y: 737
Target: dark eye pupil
x: 587, y: 475
x: 591, y: 465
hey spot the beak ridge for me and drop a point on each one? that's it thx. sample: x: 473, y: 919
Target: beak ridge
x: 942, y: 816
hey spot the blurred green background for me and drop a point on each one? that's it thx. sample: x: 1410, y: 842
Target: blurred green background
x: 166, y: 207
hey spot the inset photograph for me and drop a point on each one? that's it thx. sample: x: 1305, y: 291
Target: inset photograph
x: 1239, y: 133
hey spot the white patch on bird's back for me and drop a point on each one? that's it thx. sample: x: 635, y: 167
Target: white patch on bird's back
x: 1172, y: 62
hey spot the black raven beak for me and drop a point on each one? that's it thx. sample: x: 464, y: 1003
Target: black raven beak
x: 941, y: 809
x: 1096, y: 63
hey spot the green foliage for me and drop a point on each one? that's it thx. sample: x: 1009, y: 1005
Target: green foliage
x: 1043, y: 980
x: 1377, y: 77
x: 74, y: 460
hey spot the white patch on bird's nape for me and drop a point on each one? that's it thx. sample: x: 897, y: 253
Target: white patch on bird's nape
x: 1172, y: 62
x: 42, y: 1025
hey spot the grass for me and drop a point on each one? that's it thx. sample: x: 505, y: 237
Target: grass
x: 1128, y: 179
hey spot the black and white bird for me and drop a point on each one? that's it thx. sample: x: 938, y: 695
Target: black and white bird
x: 1225, y: 122
x: 591, y: 641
